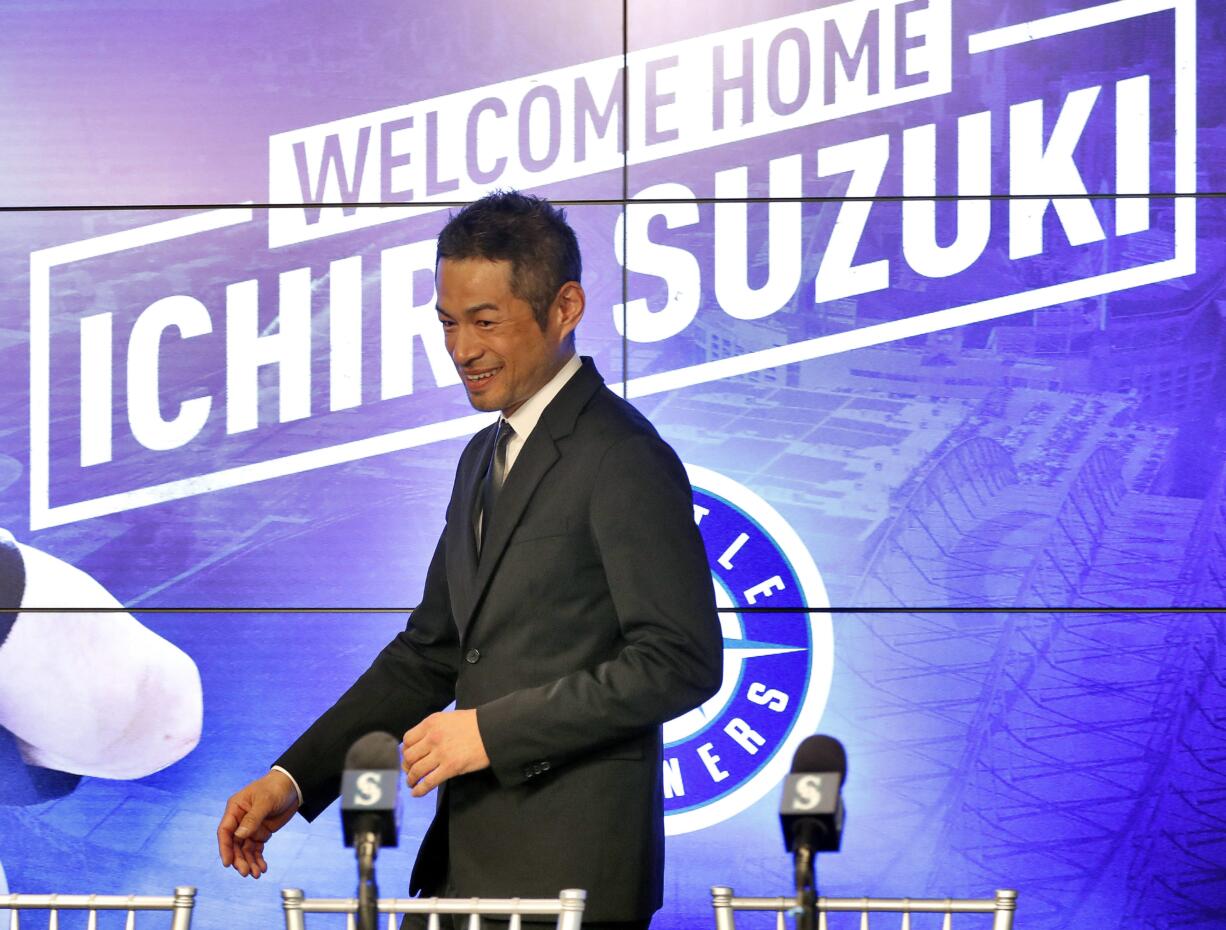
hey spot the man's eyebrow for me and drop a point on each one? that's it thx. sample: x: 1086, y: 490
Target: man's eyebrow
x: 469, y: 310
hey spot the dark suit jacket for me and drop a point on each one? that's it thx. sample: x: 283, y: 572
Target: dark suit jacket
x: 588, y: 621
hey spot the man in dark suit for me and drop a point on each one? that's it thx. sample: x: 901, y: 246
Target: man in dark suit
x: 568, y: 610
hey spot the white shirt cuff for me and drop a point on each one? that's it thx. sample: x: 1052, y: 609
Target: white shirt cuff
x: 293, y: 781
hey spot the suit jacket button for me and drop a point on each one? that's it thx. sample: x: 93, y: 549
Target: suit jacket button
x: 544, y: 766
x: 473, y: 657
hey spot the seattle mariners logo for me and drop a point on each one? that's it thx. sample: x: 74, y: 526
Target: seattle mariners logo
x: 723, y: 756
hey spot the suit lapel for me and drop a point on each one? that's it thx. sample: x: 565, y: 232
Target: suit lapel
x: 535, y: 460
x: 461, y: 538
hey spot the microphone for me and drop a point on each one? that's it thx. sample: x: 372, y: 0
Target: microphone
x: 370, y: 814
x: 811, y: 814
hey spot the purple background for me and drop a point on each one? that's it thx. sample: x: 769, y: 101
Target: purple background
x: 1066, y: 457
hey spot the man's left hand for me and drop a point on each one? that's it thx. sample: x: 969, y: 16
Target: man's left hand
x: 443, y: 746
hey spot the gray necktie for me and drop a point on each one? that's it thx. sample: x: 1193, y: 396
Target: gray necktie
x: 495, y: 474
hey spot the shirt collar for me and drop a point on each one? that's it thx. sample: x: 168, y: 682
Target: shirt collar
x: 524, y: 420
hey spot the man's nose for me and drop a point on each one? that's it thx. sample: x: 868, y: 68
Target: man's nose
x: 465, y: 348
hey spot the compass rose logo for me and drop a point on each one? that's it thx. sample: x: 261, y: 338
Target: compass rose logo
x: 728, y: 753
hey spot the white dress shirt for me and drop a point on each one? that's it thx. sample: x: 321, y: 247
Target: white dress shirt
x: 524, y: 420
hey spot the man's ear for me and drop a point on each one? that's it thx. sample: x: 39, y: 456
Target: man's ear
x: 568, y: 307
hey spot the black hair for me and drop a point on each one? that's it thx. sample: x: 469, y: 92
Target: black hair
x: 527, y: 231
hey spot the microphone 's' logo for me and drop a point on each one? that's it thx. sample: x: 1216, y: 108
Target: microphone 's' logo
x: 778, y: 659
x: 369, y: 788
x: 807, y: 793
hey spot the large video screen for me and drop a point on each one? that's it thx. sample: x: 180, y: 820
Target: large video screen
x: 926, y: 294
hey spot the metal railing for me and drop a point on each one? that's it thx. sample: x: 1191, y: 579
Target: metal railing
x: 568, y: 906
x: 1002, y: 906
x: 179, y: 905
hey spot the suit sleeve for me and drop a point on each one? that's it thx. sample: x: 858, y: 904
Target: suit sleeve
x: 413, y: 676
x: 642, y: 522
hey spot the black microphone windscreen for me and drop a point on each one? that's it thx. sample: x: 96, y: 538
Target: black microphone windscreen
x: 811, y: 809
x: 370, y: 797
x: 821, y: 754
x: 374, y: 751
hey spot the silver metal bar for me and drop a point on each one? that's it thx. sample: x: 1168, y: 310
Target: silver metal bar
x: 185, y: 900
x: 85, y: 902
x: 291, y: 903
x: 573, y: 900
x: 873, y: 905
x: 485, y: 907
x: 914, y: 905
x: 721, y: 900
x: 766, y: 904
x: 1006, y: 906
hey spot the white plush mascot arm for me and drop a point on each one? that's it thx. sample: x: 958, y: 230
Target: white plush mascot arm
x: 92, y: 693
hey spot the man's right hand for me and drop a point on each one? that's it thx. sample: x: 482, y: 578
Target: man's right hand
x: 252, y: 816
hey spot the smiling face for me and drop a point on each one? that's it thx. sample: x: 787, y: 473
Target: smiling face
x: 498, y: 347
